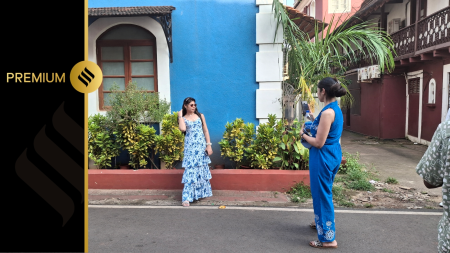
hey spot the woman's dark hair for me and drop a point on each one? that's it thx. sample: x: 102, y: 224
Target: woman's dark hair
x: 332, y: 87
x: 186, y: 102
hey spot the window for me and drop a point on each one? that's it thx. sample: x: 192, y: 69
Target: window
x: 126, y: 53
x: 394, y: 25
x: 338, y: 6
x: 414, y: 86
x: 423, y: 9
x: 306, y: 10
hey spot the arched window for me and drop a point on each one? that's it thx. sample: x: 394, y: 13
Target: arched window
x: 126, y: 53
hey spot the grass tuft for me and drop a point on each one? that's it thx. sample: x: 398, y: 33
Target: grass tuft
x: 300, y: 193
x: 391, y: 180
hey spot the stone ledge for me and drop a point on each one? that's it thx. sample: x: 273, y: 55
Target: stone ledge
x: 222, y: 179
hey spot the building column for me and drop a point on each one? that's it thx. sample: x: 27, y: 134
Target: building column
x: 269, y: 63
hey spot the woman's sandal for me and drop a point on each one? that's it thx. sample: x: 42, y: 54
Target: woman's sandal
x: 319, y: 244
x: 185, y: 203
x: 312, y: 225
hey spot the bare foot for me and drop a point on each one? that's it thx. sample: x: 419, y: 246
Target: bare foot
x: 318, y: 244
x: 333, y: 243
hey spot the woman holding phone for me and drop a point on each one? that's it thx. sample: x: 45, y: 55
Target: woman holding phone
x: 325, y: 158
x: 197, y: 149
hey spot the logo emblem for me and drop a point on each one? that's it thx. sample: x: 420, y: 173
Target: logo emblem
x: 86, y: 77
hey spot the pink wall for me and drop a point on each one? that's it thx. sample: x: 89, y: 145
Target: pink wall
x: 326, y: 17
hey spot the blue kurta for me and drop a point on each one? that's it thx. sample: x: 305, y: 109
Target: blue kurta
x: 323, y: 166
x: 195, y: 162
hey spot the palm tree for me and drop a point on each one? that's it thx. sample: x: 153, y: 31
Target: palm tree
x: 310, y: 60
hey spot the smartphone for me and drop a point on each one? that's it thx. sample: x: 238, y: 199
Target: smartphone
x: 307, y: 133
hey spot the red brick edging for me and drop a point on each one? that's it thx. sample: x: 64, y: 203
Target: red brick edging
x: 222, y: 179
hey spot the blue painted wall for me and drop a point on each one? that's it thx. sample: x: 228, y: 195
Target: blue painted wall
x: 214, y: 50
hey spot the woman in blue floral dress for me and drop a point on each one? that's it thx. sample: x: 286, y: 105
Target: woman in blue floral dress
x: 325, y: 158
x: 197, y: 149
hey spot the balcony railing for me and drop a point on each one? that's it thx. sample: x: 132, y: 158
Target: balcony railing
x: 431, y: 31
x: 434, y: 29
x: 362, y: 59
x: 404, y: 40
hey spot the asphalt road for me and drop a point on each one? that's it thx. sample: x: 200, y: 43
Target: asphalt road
x: 209, y: 229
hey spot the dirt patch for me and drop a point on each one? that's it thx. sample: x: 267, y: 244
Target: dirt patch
x: 395, y: 196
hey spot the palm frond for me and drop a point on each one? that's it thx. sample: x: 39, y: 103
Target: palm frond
x: 309, y: 61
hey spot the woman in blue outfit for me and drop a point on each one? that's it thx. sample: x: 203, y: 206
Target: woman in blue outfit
x: 324, y: 160
x: 197, y: 149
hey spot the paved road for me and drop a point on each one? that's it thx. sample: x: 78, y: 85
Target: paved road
x: 244, y: 229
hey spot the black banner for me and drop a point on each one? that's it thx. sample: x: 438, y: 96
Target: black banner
x: 43, y: 127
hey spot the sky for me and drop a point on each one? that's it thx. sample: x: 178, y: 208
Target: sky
x: 290, y: 3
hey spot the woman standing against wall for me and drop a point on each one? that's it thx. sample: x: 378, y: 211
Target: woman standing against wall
x: 197, y: 149
x: 324, y: 160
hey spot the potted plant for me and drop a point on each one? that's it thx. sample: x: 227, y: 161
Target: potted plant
x: 219, y: 166
x: 124, y: 166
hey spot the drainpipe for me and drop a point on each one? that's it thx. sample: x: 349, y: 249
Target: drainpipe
x: 416, y: 27
x: 379, y: 111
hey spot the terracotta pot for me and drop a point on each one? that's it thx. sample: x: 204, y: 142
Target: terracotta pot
x: 219, y: 166
x: 125, y: 167
x: 245, y: 167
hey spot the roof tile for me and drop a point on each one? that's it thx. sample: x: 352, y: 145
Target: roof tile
x: 130, y: 11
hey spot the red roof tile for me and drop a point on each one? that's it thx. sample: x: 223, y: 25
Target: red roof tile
x: 304, y: 22
x: 130, y: 11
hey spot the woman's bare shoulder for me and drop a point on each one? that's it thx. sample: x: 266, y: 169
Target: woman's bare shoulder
x: 328, y: 112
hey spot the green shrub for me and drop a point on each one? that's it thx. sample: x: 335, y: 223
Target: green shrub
x: 352, y: 163
x: 292, y: 155
x: 131, y: 109
x: 262, y: 152
x: 170, y: 144
x: 360, y: 185
x: 237, y: 137
x: 388, y: 190
x: 102, y: 144
x: 136, y: 105
x: 391, y: 180
x: 139, y: 149
x: 300, y: 192
x: 339, y: 196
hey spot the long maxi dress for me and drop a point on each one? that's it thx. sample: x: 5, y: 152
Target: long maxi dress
x: 323, y: 166
x: 195, y: 161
